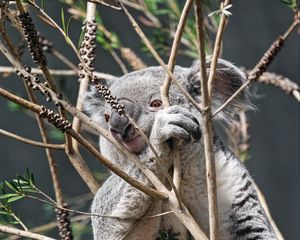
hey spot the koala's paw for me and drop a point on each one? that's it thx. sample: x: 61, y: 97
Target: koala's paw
x: 176, y: 123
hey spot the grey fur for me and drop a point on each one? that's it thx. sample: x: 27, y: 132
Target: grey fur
x: 240, y: 213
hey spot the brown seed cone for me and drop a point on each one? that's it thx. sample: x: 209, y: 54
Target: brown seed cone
x: 32, y: 39
x: 64, y: 224
x: 266, y: 60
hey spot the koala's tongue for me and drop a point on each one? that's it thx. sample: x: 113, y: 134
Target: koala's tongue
x: 135, y: 144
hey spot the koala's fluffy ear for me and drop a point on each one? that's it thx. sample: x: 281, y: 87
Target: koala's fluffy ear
x: 228, y: 79
x: 94, y: 102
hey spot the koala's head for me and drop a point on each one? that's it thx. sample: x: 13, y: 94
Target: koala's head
x: 139, y: 92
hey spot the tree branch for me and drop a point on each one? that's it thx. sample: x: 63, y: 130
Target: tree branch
x: 207, y: 121
x: 15, y: 231
x: 165, y: 93
x: 31, y: 142
x: 62, y: 72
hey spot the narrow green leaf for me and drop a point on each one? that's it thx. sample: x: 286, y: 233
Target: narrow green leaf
x: 63, y: 20
x: 80, y: 38
x: 20, y: 181
x: 4, y: 213
x: 11, y: 186
x: 14, y: 222
x: 13, y: 199
x: 42, y: 4
x: 68, y: 25
x: 8, y: 195
x: 27, y: 175
x: 32, y: 179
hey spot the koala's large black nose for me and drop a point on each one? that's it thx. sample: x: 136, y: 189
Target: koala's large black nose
x: 119, y: 124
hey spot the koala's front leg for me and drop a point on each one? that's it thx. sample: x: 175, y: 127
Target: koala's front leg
x: 175, y: 123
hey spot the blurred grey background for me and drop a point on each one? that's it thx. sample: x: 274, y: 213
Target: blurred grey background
x: 274, y: 127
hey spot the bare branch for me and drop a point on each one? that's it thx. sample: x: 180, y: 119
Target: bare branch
x: 217, y: 48
x: 84, y: 81
x: 267, y: 211
x: 165, y: 92
x: 281, y: 82
x: 15, y: 231
x: 31, y: 142
x: 207, y: 124
x: 62, y: 72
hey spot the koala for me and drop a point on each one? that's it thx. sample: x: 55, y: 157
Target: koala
x: 126, y: 211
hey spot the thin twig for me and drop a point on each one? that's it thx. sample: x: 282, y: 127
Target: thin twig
x: 48, y: 226
x: 15, y: 231
x: 217, y: 49
x: 62, y: 72
x: 105, y: 4
x: 31, y: 142
x: 267, y: 211
x: 118, y: 61
x: 207, y: 126
x: 166, y: 86
x: 62, y: 58
x: 84, y: 82
x: 5, y: 35
x: 281, y: 82
x: 58, y: 206
x: 174, y: 50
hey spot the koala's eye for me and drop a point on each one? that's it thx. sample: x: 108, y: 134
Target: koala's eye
x: 107, y: 117
x: 155, y: 103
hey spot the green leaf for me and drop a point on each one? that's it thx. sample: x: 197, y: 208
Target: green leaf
x: 81, y: 38
x: 32, y: 179
x: 20, y: 181
x: 162, y: 11
x: 12, y: 186
x: 13, y: 199
x: 68, y: 25
x: 8, y: 195
x: 4, y: 213
x: 291, y: 4
x: 63, y: 20
x: 14, y: 222
x: 42, y: 4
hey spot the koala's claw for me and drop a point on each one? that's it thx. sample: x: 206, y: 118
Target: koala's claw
x: 177, y: 123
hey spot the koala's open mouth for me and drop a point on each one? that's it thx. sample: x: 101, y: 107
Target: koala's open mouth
x: 130, y: 138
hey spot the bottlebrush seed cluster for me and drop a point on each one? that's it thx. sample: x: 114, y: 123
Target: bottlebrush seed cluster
x: 32, y: 39
x: 64, y: 223
x: 3, y: 3
x: 31, y: 79
x: 87, y: 53
x: 55, y: 119
x: 112, y: 100
x: 266, y: 60
x: 46, y: 45
x: 88, y: 48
